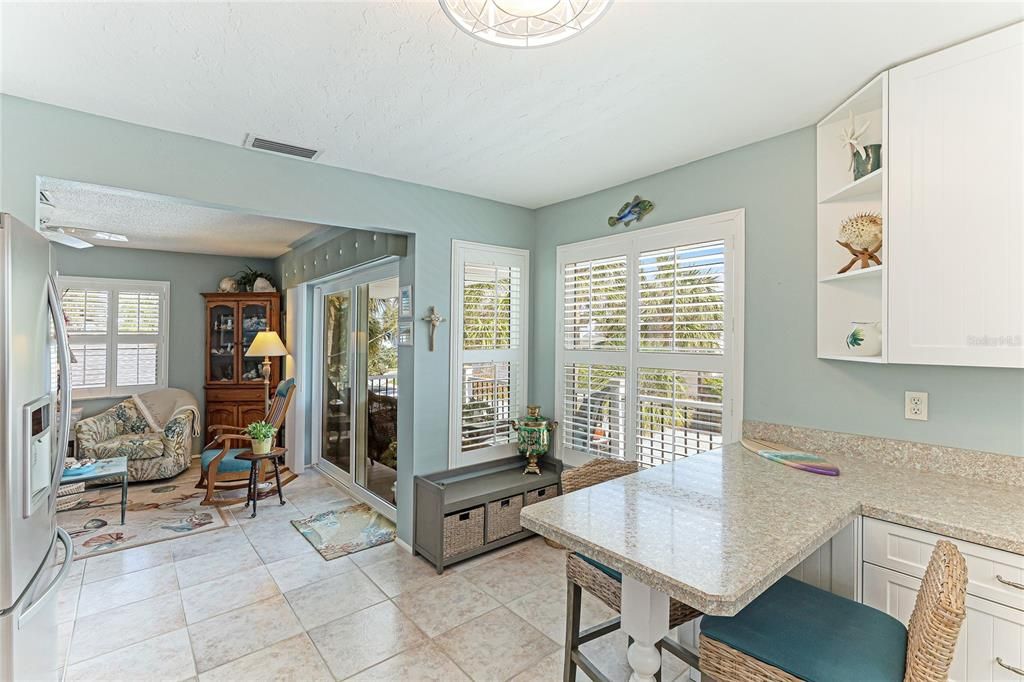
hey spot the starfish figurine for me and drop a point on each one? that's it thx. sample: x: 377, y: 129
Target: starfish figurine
x: 851, y: 139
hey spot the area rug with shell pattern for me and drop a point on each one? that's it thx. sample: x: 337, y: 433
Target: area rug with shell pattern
x: 157, y: 510
x: 339, y: 532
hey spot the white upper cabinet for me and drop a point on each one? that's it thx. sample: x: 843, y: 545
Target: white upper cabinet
x: 949, y: 191
x: 955, y: 230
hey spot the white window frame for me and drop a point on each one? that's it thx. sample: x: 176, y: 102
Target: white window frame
x: 727, y: 226
x: 464, y: 252
x: 114, y: 286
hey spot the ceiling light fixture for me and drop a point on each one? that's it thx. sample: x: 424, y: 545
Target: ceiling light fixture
x: 524, y: 23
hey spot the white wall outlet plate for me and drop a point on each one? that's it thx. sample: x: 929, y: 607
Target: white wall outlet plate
x: 915, y: 405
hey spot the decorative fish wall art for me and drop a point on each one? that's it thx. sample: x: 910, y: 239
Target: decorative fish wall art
x: 631, y: 211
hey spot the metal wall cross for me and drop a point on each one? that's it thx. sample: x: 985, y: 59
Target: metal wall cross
x: 434, y: 319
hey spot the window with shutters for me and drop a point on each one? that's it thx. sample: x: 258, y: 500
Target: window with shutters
x: 650, y: 350
x: 489, y: 326
x: 117, y: 331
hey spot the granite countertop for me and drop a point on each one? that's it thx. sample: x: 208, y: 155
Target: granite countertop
x: 717, y: 529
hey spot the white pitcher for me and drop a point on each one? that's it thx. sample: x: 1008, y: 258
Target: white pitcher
x: 864, y: 339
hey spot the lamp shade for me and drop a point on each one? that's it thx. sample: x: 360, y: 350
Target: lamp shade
x: 266, y: 344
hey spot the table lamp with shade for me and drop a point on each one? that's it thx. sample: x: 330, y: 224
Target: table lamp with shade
x: 268, y: 345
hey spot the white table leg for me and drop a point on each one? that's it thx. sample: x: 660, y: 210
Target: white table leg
x: 645, y: 619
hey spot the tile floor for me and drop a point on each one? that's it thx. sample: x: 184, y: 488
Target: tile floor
x: 254, y: 601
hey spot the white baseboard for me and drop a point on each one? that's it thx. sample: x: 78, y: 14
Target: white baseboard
x: 403, y: 544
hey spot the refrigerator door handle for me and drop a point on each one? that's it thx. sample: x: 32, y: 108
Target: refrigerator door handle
x: 55, y: 584
x: 64, y: 357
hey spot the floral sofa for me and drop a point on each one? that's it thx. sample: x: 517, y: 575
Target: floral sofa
x: 122, y: 432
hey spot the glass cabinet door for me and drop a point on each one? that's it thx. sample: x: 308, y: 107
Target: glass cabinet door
x: 254, y: 320
x: 221, y: 367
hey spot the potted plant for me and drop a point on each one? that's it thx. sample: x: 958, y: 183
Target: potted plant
x: 262, y: 435
x: 246, y: 279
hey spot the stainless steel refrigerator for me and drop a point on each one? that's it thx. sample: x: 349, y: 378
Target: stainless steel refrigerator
x: 35, y: 401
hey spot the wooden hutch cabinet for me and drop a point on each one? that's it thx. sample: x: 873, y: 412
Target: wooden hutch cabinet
x: 234, y: 383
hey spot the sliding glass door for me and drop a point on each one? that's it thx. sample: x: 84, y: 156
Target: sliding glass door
x: 336, y: 385
x: 378, y: 357
x: 356, y: 374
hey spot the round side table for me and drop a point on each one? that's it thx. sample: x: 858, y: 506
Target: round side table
x: 253, y: 493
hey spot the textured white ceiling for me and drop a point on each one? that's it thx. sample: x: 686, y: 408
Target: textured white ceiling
x: 155, y: 222
x: 393, y: 88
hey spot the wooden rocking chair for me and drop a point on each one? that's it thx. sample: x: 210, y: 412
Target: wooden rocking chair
x: 221, y: 470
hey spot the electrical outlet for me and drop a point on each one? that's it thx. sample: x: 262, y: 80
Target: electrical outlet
x: 915, y: 405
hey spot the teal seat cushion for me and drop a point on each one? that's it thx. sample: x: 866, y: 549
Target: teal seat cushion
x: 229, y: 463
x: 610, y: 572
x: 815, y: 635
x: 284, y: 387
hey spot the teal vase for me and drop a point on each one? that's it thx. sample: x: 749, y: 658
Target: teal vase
x: 863, y: 165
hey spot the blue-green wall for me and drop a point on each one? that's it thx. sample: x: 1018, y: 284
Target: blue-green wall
x: 189, y: 274
x: 42, y: 140
x: 774, y: 181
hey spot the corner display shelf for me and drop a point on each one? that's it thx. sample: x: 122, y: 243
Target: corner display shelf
x: 858, y: 295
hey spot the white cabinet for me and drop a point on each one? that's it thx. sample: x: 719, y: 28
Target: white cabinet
x: 835, y: 565
x: 991, y: 573
x: 950, y: 193
x: 990, y: 630
x: 956, y: 243
x: 895, y: 558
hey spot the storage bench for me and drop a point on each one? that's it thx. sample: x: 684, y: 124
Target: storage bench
x: 463, y: 512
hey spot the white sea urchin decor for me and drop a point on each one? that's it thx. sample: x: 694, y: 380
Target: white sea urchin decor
x: 524, y: 23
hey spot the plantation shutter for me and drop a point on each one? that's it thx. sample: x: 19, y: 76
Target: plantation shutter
x: 489, y: 354
x: 594, y: 310
x: 595, y: 331
x: 138, y: 323
x: 117, y: 334
x: 679, y: 413
x: 594, y: 409
x: 681, y: 294
x: 649, y: 362
x: 87, y: 311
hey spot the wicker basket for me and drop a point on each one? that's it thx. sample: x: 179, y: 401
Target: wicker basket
x: 463, y: 531
x: 69, y: 495
x: 540, y: 494
x: 503, y: 517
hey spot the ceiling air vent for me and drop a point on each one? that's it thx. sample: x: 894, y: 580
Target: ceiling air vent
x: 257, y: 142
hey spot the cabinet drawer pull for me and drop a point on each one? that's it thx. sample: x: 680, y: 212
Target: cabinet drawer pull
x: 1012, y: 669
x: 1004, y: 581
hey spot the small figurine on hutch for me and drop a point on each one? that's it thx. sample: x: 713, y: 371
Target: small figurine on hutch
x: 534, y: 437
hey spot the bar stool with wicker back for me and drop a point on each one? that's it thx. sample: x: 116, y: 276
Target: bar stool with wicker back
x: 797, y: 632
x: 584, y: 573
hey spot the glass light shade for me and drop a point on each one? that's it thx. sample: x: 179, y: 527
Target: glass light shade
x: 524, y: 23
x: 266, y: 344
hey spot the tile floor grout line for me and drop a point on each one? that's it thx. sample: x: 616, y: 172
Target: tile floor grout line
x: 305, y: 633
x: 162, y: 634
x: 188, y: 636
